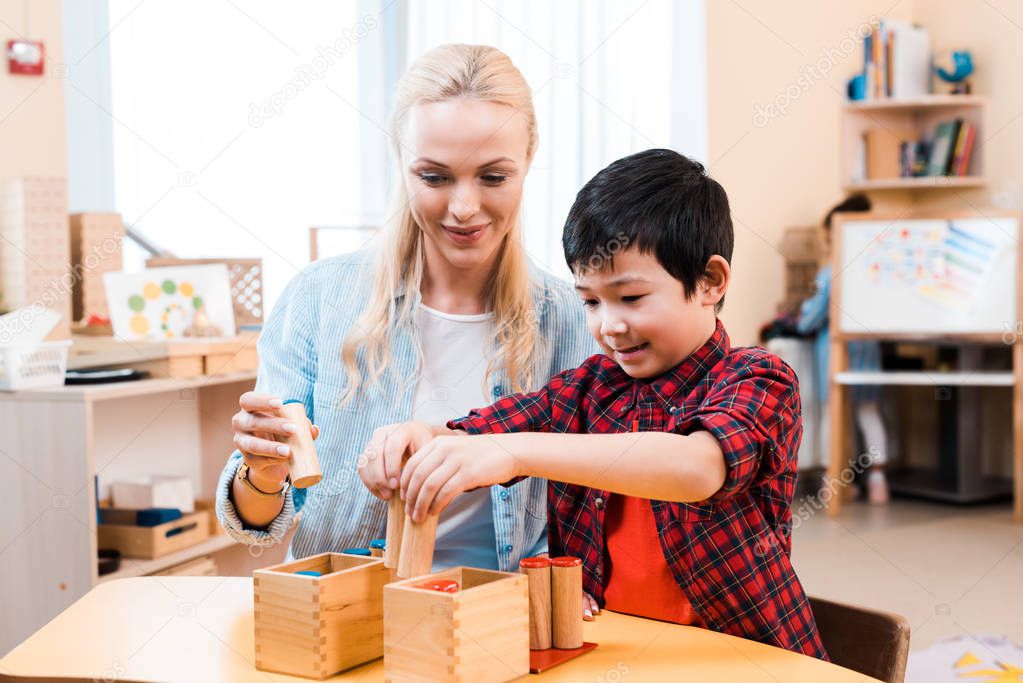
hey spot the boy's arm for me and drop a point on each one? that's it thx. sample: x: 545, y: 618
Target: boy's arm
x: 754, y: 414
x: 656, y: 465
x: 380, y: 465
x: 745, y: 432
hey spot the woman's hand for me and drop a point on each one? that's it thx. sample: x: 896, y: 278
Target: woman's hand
x: 380, y: 464
x: 255, y: 426
x: 449, y: 465
x: 590, y: 607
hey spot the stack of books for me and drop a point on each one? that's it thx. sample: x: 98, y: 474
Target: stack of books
x: 903, y: 154
x: 897, y: 61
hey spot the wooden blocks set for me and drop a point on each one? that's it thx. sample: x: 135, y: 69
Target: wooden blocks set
x: 95, y: 249
x: 180, y: 358
x: 479, y: 633
x: 322, y: 621
x: 35, y: 251
x: 555, y: 611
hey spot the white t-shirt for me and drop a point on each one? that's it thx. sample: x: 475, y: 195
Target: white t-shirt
x: 451, y: 384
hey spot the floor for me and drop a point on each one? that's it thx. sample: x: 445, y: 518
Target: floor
x: 951, y: 571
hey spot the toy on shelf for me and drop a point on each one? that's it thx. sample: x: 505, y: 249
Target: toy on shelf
x: 246, y: 278
x: 478, y: 632
x: 95, y: 249
x: 319, y: 615
x: 305, y: 466
x: 955, y: 68
x: 37, y: 248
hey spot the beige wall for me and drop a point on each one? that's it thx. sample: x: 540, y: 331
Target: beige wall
x: 784, y: 173
x: 32, y: 134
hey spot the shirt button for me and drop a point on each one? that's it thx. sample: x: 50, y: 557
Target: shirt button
x: 508, y: 548
x: 598, y: 503
x: 597, y: 572
x: 503, y: 495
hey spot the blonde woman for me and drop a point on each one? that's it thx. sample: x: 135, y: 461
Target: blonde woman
x: 445, y: 314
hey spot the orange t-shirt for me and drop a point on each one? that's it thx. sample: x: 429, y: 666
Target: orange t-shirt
x: 639, y: 580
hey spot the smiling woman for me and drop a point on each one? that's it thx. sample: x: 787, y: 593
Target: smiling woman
x: 444, y: 314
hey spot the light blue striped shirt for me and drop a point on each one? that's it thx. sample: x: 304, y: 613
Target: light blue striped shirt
x: 863, y: 355
x: 300, y: 358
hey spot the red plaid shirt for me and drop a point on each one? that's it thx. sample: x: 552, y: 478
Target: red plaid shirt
x: 729, y: 553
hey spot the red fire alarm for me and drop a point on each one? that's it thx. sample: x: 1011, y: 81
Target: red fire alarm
x: 25, y: 57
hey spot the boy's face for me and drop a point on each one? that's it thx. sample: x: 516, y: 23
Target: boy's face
x: 639, y: 313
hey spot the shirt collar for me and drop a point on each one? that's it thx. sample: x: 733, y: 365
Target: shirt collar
x: 675, y: 384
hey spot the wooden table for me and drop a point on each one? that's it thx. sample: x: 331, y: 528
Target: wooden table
x: 200, y: 629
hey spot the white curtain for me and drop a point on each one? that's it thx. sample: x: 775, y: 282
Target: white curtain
x: 608, y: 78
x: 238, y: 125
x: 228, y: 139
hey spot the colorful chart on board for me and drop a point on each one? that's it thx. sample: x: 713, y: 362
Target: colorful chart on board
x: 162, y: 303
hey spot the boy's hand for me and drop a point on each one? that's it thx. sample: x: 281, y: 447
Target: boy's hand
x: 380, y: 464
x: 590, y: 607
x: 449, y: 465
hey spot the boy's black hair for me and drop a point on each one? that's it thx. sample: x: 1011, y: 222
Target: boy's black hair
x: 856, y: 202
x: 658, y: 201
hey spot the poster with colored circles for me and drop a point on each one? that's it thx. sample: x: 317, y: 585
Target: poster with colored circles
x: 171, y: 303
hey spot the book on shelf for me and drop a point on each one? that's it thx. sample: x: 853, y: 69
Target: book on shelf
x: 943, y: 147
x: 897, y: 60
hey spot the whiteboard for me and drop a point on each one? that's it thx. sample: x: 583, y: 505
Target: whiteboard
x: 931, y: 276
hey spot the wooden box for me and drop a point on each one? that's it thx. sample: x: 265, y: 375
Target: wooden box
x: 150, y: 542
x: 315, y: 626
x: 478, y: 634
x: 95, y: 249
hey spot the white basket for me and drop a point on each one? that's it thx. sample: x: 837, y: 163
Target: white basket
x: 39, y: 366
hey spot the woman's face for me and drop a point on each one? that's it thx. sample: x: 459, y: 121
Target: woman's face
x: 465, y: 164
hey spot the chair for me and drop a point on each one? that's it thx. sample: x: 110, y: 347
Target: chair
x: 872, y: 643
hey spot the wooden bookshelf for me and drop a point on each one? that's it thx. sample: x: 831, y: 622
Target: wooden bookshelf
x: 920, y: 115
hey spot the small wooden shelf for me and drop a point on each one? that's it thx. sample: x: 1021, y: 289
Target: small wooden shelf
x: 928, y: 101
x: 979, y: 378
x: 917, y: 117
x: 131, y: 566
x: 113, y: 390
x: 917, y: 183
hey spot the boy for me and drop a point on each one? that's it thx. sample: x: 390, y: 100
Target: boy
x: 672, y: 456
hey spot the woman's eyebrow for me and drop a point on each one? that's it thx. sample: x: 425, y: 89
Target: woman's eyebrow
x: 432, y: 162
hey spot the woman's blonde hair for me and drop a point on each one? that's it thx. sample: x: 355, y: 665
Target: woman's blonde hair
x: 450, y: 71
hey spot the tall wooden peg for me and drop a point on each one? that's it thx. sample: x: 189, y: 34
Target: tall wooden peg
x: 538, y: 569
x: 567, y: 602
x: 305, y: 466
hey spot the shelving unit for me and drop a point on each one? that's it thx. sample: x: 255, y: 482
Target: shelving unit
x: 135, y: 567
x: 56, y: 440
x: 921, y: 115
x: 959, y: 421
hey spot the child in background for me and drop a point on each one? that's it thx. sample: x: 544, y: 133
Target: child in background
x: 671, y: 457
x: 863, y: 355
